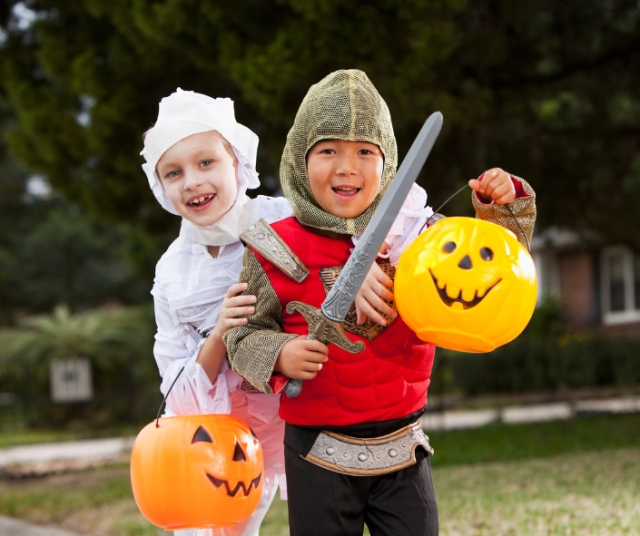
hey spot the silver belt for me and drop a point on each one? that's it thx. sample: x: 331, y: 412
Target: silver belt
x: 368, y: 456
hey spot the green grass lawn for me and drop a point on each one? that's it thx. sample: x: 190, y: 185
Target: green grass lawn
x: 500, y: 442
x: 585, y: 494
x: 579, y: 477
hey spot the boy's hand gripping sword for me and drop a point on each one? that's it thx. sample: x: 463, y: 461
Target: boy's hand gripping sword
x: 325, y: 324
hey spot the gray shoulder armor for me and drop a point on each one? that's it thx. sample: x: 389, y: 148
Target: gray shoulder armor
x: 261, y: 237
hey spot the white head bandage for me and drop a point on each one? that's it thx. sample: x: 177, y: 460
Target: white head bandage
x: 185, y: 113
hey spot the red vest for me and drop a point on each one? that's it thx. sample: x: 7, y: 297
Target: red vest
x: 388, y: 380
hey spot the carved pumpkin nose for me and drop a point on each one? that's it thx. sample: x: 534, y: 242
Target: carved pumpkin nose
x: 465, y: 263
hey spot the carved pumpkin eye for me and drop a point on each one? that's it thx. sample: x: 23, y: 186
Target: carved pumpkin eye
x: 201, y: 435
x: 449, y: 247
x: 486, y: 254
x: 253, y: 435
x: 238, y: 454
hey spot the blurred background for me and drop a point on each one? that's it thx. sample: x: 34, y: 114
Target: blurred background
x: 544, y: 89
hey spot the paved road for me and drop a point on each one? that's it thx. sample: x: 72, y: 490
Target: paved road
x: 13, y: 527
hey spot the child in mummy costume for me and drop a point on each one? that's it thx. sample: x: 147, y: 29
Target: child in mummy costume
x: 199, y: 163
x: 339, y: 159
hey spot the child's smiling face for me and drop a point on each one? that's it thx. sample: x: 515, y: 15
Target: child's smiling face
x: 199, y: 176
x: 344, y: 176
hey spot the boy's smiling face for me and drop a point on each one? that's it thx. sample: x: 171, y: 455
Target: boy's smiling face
x: 344, y: 176
x: 199, y: 176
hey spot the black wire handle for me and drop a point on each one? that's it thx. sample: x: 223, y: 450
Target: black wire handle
x: 524, y: 235
x: 164, y: 400
x: 449, y: 199
x: 430, y: 218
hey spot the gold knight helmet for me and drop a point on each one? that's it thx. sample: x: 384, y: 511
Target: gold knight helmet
x: 344, y: 105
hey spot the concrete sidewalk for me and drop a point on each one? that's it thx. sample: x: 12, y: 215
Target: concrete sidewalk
x: 13, y: 527
x: 87, y: 451
x: 74, y: 454
x: 457, y: 420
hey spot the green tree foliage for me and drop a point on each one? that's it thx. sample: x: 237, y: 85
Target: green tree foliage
x: 545, y: 89
x: 52, y: 252
x: 70, y: 258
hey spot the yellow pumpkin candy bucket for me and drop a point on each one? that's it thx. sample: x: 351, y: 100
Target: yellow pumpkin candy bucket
x: 466, y: 285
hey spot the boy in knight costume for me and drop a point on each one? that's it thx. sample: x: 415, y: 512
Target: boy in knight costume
x: 354, y: 451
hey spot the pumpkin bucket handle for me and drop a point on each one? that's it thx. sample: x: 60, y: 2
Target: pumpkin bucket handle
x: 164, y: 400
x: 429, y: 220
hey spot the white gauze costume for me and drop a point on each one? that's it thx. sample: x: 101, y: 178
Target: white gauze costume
x: 190, y: 285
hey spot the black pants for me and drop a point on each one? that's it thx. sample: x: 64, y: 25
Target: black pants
x: 325, y: 503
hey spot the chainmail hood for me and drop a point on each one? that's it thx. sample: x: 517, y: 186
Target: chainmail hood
x: 345, y: 106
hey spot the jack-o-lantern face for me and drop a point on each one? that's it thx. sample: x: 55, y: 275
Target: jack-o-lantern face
x: 197, y: 471
x: 467, y: 285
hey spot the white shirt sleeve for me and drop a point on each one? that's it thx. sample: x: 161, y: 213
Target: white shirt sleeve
x: 409, y: 223
x: 175, y: 348
x: 274, y: 209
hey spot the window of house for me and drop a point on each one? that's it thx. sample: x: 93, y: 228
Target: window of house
x: 548, y: 276
x: 620, y: 285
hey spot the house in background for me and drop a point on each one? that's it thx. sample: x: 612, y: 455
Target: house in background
x: 598, y: 286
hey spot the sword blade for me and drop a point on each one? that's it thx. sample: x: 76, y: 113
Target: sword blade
x: 338, y: 302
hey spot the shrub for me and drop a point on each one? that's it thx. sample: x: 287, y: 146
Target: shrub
x: 118, y: 343
x: 538, y: 363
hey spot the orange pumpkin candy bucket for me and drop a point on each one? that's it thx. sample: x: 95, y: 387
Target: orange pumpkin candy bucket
x: 196, y: 471
x: 466, y: 285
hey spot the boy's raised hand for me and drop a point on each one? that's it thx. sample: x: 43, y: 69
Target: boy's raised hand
x: 494, y: 185
x: 234, y: 309
x: 301, y: 358
x: 370, y: 301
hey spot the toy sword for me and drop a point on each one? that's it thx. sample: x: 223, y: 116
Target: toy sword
x: 325, y: 324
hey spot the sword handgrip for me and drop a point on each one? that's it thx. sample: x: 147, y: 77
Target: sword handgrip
x: 323, y: 330
x: 294, y: 387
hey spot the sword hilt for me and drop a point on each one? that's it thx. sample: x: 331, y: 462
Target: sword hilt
x: 320, y: 329
x: 293, y: 388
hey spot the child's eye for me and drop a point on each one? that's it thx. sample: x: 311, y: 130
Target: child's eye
x: 171, y: 174
x: 328, y: 151
x: 365, y: 151
x: 206, y: 163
